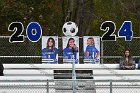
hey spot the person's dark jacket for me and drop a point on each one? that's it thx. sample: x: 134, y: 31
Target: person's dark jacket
x: 1, y: 69
x: 127, y: 65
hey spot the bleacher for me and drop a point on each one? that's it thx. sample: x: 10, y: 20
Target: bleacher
x: 37, y: 75
x: 46, y: 71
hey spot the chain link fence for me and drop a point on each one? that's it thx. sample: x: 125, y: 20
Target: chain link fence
x: 111, y: 51
x: 114, y: 50
x: 24, y: 52
x: 25, y: 48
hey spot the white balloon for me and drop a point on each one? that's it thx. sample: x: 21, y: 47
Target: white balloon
x: 70, y: 29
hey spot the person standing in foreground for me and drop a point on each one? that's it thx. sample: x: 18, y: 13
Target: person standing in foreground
x: 1, y: 69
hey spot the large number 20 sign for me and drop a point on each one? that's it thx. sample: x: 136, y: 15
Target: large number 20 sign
x: 110, y: 27
x: 33, y: 32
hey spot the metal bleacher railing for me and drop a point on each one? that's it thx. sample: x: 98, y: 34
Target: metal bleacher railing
x: 65, y: 86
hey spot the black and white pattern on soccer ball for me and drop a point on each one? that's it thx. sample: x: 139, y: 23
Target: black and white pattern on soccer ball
x: 70, y: 29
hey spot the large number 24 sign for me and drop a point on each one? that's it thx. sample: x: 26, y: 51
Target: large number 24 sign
x: 18, y: 29
x: 110, y: 27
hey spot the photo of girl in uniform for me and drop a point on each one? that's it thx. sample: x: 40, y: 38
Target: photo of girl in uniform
x: 50, y: 50
x: 91, y: 49
x: 70, y: 49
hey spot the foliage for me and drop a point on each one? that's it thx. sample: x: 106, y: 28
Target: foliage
x: 88, y: 14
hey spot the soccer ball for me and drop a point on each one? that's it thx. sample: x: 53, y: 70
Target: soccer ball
x: 70, y: 29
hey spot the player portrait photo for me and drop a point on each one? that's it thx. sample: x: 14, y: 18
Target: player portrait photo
x: 70, y: 50
x: 50, y: 49
x: 91, y: 49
